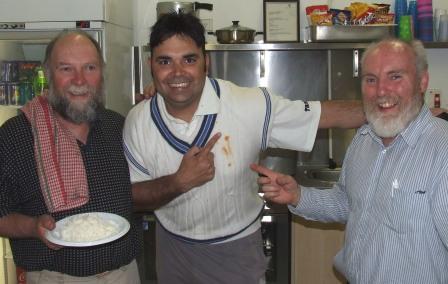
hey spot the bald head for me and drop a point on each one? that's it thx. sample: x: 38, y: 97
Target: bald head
x: 415, y: 49
x: 67, y: 36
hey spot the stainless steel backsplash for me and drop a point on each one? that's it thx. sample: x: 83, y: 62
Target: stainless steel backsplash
x: 295, y: 74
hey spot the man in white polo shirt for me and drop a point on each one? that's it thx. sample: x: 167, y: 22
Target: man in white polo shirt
x: 204, y: 195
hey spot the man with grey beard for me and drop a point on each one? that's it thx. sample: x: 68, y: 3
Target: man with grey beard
x: 393, y: 190
x: 61, y: 156
x: 71, y: 111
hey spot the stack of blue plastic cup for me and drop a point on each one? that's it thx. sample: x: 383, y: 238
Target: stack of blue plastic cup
x: 412, y: 11
x: 401, y: 9
x: 425, y: 20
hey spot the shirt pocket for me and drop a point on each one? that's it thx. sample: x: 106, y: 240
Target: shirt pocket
x: 408, y: 209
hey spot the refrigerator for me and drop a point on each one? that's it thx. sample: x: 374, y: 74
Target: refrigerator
x: 26, y: 27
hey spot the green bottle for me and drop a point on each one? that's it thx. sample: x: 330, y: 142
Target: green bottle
x: 40, y: 82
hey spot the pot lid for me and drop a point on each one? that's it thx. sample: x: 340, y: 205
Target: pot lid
x: 236, y: 27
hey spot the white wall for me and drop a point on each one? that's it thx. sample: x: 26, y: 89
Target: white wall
x: 144, y: 16
x: 438, y: 68
x: 250, y: 14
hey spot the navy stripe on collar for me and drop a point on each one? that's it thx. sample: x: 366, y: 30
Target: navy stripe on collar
x: 178, y: 144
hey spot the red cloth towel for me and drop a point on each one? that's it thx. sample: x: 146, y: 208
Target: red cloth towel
x: 60, y: 167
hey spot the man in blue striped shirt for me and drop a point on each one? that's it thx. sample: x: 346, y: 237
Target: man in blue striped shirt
x: 393, y: 189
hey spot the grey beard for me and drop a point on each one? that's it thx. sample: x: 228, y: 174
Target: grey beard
x: 389, y: 127
x: 71, y: 111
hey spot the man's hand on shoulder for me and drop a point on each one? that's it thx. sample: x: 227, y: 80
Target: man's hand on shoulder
x: 439, y: 112
x: 148, y: 92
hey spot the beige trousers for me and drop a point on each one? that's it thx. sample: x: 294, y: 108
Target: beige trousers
x: 127, y: 274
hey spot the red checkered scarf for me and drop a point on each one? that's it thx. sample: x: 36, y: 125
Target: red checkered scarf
x: 60, y: 167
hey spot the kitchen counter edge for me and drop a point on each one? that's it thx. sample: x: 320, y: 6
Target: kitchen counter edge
x: 302, y: 46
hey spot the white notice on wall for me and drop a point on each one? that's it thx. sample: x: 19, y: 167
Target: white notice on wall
x: 281, y: 21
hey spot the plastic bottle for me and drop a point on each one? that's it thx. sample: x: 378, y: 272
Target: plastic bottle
x: 40, y: 82
x: 26, y: 92
x: 437, y: 100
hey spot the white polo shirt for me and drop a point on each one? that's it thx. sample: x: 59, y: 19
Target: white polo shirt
x: 250, y: 120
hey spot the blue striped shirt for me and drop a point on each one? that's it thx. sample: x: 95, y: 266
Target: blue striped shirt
x: 394, y: 201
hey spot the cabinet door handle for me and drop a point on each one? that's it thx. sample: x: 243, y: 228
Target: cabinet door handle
x: 262, y: 63
x: 355, y: 63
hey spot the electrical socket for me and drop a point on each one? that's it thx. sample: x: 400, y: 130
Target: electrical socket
x: 429, y: 98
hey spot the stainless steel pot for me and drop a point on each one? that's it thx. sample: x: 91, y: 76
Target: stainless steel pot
x: 235, y: 34
x: 181, y: 7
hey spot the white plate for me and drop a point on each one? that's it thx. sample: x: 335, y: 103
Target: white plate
x: 54, y: 236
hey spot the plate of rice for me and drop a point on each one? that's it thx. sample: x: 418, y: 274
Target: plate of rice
x: 88, y: 229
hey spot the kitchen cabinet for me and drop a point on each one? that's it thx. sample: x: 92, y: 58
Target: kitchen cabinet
x: 313, y: 247
x: 7, y: 112
x: 2, y: 259
x: 8, y: 269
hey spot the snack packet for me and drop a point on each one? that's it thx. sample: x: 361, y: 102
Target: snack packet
x: 381, y: 19
x: 382, y: 9
x: 362, y: 13
x: 317, y: 15
x: 340, y: 17
x: 321, y: 19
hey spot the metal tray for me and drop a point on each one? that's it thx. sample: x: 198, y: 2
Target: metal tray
x: 340, y: 33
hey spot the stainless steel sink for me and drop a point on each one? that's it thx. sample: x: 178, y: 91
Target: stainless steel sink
x: 320, y: 177
x: 331, y: 175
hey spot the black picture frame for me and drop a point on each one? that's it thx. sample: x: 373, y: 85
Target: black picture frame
x: 281, y: 21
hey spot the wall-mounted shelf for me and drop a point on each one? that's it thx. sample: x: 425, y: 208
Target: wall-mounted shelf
x: 285, y: 46
x: 436, y: 44
x: 302, y: 46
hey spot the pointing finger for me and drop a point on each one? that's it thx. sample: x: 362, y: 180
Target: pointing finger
x: 262, y: 170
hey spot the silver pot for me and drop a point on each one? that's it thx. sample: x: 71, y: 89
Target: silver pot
x: 236, y: 34
x: 181, y: 7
